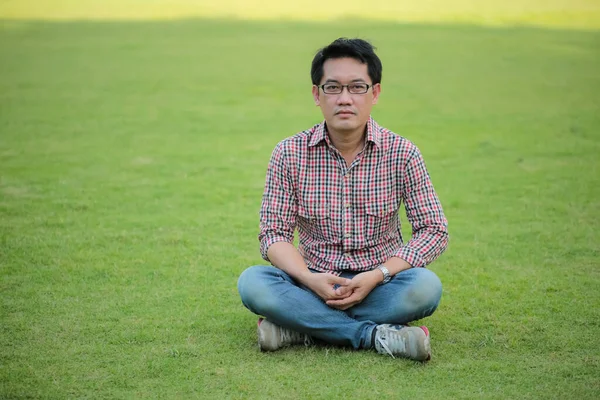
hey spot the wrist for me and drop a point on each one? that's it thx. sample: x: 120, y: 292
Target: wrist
x: 374, y: 275
x: 304, y: 277
x: 384, y: 273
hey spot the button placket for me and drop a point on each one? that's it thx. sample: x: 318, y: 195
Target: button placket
x: 347, y: 213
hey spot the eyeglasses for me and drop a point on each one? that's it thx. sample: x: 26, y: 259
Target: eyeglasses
x: 353, y: 88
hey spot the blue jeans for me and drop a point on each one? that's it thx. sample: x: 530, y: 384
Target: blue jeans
x: 412, y: 294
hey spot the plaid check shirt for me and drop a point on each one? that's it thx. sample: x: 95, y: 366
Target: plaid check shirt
x: 347, y: 217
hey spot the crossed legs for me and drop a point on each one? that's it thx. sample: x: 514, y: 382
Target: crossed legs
x: 410, y: 295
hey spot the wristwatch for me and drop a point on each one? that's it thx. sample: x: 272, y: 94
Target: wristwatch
x: 386, y: 274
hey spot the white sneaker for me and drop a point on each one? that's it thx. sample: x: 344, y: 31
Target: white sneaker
x: 403, y: 341
x: 272, y: 337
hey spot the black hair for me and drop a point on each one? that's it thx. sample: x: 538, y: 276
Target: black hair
x: 358, y: 49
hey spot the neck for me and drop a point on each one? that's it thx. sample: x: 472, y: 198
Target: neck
x: 347, y: 141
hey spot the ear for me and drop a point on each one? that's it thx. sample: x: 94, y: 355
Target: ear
x: 315, y: 93
x: 376, y: 92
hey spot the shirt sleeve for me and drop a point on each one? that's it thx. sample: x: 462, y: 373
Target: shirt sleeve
x: 279, y: 206
x: 425, y: 214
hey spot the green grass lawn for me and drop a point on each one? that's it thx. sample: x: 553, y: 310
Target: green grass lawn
x: 132, y: 160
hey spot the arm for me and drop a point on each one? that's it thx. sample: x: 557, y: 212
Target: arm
x: 363, y: 283
x: 277, y: 223
x: 425, y: 214
x: 286, y: 257
x: 429, y: 239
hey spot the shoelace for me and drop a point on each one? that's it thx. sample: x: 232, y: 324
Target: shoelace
x: 385, y: 347
x: 290, y: 336
x: 382, y: 342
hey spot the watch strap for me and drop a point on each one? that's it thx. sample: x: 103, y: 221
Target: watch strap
x: 386, y: 274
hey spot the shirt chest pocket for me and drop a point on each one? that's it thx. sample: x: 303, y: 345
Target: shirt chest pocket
x: 315, y: 220
x: 381, y: 219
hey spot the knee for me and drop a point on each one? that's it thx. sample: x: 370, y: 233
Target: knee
x: 426, y: 291
x: 253, y: 287
x: 249, y: 281
x: 421, y: 296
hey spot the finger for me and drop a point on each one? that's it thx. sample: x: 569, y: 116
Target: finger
x: 338, y: 302
x: 347, y: 302
x: 338, y: 280
x: 341, y: 307
x: 336, y: 297
x: 343, y: 291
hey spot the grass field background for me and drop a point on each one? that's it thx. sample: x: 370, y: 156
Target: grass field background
x: 132, y: 161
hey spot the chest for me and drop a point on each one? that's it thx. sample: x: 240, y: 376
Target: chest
x: 333, y: 183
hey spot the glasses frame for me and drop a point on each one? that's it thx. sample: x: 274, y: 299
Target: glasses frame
x: 322, y: 87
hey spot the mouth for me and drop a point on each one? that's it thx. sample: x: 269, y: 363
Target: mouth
x: 345, y: 113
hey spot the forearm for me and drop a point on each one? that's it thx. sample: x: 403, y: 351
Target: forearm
x: 394, y: 266
x: 425, y: 214
x: 286, y: 257
x: 425, y: 246
x: 362, y: 284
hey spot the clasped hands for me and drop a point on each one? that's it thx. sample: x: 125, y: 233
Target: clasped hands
x: 342, y: 293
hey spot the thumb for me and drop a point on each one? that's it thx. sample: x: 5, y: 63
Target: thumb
x: 338, y: 280
x: 343, y: 291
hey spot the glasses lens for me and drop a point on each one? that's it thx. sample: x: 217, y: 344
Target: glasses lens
x: 336, y: 88
x: 358, y: 88
x: 332, y: 88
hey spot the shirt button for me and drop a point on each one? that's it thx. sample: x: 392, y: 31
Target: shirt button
x: 347, y: 205
x: 347, y: 235
x: 346, y: 254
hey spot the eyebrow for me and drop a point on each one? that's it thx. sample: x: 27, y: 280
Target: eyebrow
x: 352, y: 81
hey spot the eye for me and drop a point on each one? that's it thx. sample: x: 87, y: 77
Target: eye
x: 358, y: 87
x: 332, y: 87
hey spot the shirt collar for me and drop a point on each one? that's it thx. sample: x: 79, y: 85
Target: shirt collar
x: 320, y: 133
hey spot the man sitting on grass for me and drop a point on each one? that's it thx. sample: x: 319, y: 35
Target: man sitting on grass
x: 352, y: 281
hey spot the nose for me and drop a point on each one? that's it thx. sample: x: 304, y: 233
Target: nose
x: 344, y: 97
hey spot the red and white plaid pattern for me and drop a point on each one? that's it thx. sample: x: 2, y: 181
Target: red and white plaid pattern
x: 347, y: 218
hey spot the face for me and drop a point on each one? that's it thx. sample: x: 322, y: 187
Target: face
x: 346, y: 113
